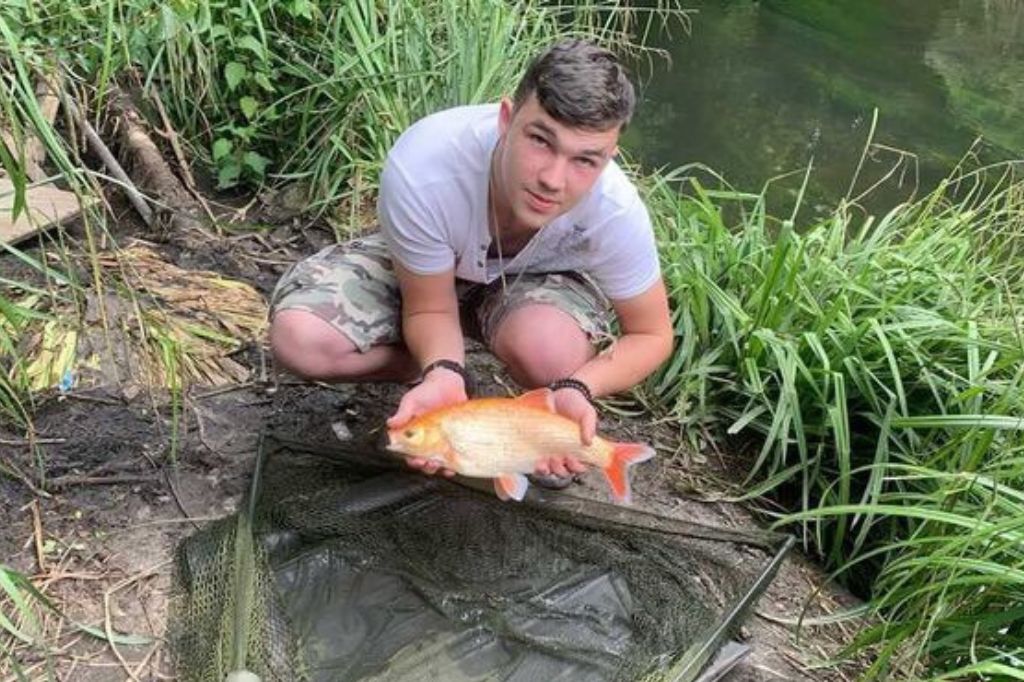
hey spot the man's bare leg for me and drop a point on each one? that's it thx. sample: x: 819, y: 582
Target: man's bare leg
x: 540, y: 343
x: 311, y: 348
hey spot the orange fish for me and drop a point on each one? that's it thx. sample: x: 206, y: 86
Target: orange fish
x: 504, y: 438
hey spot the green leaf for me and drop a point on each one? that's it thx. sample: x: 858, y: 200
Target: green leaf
x: 249, y: 43
x: 257, y: 162
x: 228, y: 174
x: 235, y: 73
x: 17, y: 176
x: 960, y: 421
x: 249, y: 106
x: 263, y: 81
x: 301, y: 8
x: 221, y: 148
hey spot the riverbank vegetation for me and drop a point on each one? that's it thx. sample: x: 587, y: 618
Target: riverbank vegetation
x: 874, y: 365
x: 880, y: 362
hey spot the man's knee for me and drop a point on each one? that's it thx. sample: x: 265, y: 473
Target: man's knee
x: 541, y: 343
x: 308, y: 346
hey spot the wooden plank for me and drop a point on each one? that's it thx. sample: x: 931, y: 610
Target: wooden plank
x: 46, y: 205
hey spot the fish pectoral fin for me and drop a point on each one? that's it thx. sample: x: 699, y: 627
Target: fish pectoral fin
x: 538, y: 398
x: 511, y: 487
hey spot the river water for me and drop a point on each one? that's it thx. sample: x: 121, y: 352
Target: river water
x: 759, y: 89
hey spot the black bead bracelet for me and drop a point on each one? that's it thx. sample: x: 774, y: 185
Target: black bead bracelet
x: 467, y: 379
x: 576, y: 384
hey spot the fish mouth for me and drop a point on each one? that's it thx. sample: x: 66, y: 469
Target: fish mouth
x: 391, y: 443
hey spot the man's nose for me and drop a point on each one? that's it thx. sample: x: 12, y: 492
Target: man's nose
x: 553, y: 174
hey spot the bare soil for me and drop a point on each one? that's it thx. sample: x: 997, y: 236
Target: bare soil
x: 129, y: 476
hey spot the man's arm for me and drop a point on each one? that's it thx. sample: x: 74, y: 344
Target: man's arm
x: 431, y: 331
x: 430, y: 315
x: 645, y: 343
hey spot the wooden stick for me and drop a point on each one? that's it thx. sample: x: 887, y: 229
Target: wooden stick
x: 101, y: 150
x: 31, y: 441
x: 37, y: 532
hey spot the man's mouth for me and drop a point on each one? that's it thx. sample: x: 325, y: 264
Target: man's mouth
x: 539, y: 202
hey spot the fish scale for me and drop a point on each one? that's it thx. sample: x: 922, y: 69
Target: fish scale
x: 503, y: 439
x: 500, y: 440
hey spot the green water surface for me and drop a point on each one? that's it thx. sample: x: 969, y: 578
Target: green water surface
x: 758, y: 89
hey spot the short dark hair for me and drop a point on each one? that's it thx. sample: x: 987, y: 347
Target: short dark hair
x: 579, y: 84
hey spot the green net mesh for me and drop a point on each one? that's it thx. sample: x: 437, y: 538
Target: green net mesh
x: 340, y: 569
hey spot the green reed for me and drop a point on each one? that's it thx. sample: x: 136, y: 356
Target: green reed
x: 876, y: 364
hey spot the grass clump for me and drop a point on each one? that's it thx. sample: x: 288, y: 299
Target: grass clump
x: 302, y: 90
x: 880, y: 365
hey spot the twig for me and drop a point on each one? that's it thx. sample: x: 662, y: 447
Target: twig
x: 37, y: 531
x: 11, y: 469
x: 68, y: 481
x: 223, y: 390
x: 161, y: 522
x: 107, y: 626
x: 177, y: 499
x: 32, y: 441
x: 145, y: 659
x: 94, y: 399
x: 50, y: 577
x: 171, y: 136
x: 109, y: 631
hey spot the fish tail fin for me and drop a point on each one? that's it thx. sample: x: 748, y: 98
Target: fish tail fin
x: 625, y: 455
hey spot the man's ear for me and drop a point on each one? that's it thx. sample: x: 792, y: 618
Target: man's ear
x: 505, y: 111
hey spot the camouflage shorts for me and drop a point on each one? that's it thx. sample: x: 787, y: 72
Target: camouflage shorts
x: 353, y: 288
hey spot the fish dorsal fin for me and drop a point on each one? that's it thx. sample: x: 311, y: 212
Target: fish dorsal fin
x: 538, y: 398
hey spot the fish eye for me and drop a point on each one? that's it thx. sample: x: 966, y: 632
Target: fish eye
x: 409, y: 433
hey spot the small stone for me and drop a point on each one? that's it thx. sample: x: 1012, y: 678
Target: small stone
x: 341, y: 430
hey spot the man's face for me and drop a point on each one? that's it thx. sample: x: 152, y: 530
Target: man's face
x: 546, y: 167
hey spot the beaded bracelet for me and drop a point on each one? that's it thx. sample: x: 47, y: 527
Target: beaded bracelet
x: 569, y: 382
x: 467, y: 379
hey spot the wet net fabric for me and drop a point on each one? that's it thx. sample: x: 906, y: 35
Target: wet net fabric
x: 340, y: 570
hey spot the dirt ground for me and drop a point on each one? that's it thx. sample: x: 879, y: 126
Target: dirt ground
x: 125, y: 486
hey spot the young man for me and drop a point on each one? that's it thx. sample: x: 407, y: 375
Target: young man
x: 510, y: 222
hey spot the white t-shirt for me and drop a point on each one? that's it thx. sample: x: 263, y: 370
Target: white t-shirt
x: 433, y: 212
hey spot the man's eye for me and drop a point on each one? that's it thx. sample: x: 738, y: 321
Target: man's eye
x: 537, y: 139
x: 586, y: 162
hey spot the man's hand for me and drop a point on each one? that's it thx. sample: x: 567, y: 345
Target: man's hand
x: 572, y: 404
x: 439, y: 388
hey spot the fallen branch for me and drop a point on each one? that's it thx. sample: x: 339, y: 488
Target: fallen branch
x: 152, y: 171
x: 100, y: 149
x: 68, y: 481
